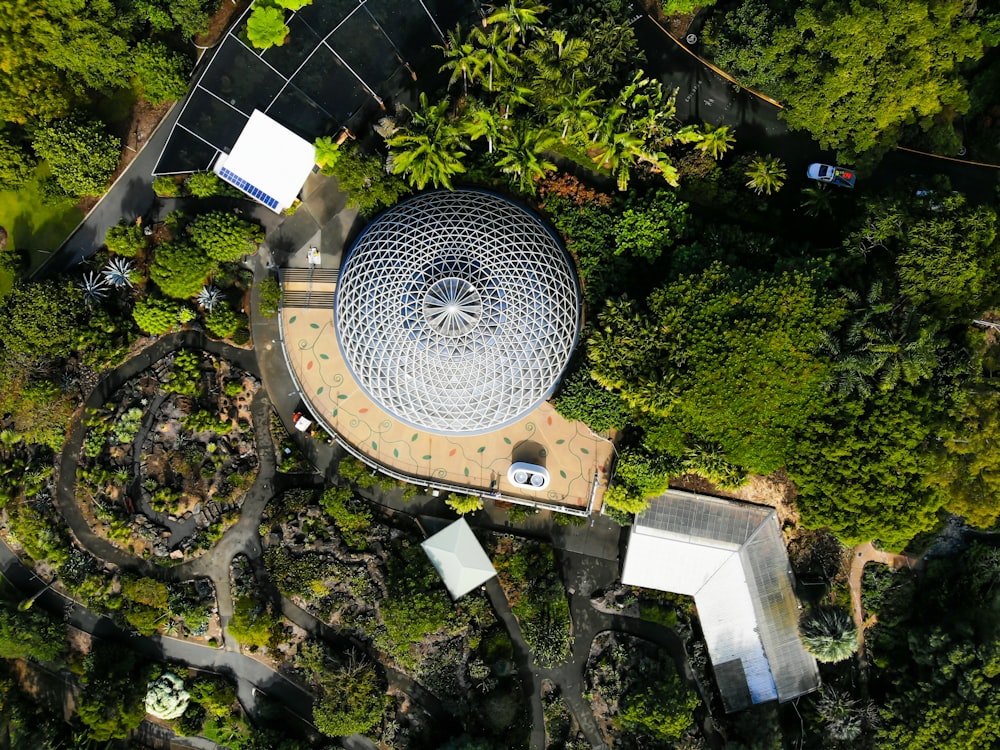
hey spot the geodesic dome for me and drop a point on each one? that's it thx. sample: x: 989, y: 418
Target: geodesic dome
x: 457, y: 312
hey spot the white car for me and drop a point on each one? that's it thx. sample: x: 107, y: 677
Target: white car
x: 839, y: 176
x: 529, y: 476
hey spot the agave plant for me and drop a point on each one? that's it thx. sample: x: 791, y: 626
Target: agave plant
x: 95, y: 287
x: 209, y: 297
x: 118, y: 272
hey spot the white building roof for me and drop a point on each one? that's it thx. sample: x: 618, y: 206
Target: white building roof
x: 459, y: 558
x: 731, y: 558
x: 268, y: 162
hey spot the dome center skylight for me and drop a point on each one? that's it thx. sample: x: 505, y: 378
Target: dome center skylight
x: 452, y: 306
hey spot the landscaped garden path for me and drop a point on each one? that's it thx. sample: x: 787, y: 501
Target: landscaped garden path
x: 860, y: 556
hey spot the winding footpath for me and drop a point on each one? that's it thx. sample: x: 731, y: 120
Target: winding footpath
x: 860, y: 556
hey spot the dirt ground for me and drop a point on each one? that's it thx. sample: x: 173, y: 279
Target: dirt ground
x: 775, y: 490
x: 677, y: 25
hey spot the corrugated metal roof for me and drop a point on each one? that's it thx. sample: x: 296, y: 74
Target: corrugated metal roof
x: 731, y: 557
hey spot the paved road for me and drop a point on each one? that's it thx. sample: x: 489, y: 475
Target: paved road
x: 705, y: 96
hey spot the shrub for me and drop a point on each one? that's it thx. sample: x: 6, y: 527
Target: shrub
x: 180, y: 270
x: 205, y: 421
x: 266, y: 27
x: 81, y: 153
x: 252, y: 624
x: 204, y: 185
x: 351, y: 515
x: 155, y: 315
x: 270, y: 297
x: 125, y: 238
x: 463, y: 504
x: 664, y: 708
x: 583, y: 398
x: 166, y: 186
x: 223, y: 322
x: 225, y: 237
x: 160, y: 73
x: 362, y: 177
x: 16, y: 165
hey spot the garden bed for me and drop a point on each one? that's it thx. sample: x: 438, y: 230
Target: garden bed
x: 167, y: 461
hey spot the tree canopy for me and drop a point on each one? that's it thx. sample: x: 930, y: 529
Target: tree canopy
x: 729, y: 356
x: 854, y: 73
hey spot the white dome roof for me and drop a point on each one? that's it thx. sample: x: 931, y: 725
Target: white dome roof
x: 457, y: 312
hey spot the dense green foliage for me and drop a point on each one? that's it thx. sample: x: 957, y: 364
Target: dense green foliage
x: 180, y: 270
x: 160, y: 73
x: 581, y: 397
x: 126, y: 238
x: 224, y: 236
x: 725, y: 355
x: 350, y: 695
x: 853, y: 74
x: 111, y: 705
x: 41, y: 318
x: 662, y: 709
x: 156, y: 316
x: 30, y: 633
x: 416, y: 604
x: 80, y: 153
x: 253, y: 624
x: 350, y: 514
x: 528, y: 91
x: 362, y: 176
x: 530, y: 577
x: 936, y: 645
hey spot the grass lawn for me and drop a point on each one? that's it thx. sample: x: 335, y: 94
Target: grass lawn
x: 33, y: 224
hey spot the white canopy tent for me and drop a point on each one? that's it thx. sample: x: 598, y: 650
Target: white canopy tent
x: 459, y: 558
x: 268, y: 162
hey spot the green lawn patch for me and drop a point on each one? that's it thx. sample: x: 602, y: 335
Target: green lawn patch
x: 34, y: 225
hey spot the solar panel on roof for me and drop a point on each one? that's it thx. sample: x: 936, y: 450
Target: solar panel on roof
x: 236, y: 181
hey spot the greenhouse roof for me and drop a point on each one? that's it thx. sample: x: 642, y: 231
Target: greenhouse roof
x: 457, y: 312
x: 731, y: 558
x: 268, y: 162
x: 344, y: 62
x: 459, y: 558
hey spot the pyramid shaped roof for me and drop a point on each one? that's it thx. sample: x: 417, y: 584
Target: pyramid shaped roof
x: 459, y: 558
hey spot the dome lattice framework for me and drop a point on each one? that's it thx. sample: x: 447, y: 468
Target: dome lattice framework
x: 457, y: 312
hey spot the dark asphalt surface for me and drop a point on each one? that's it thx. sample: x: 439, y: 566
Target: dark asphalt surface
x: 705, y: 96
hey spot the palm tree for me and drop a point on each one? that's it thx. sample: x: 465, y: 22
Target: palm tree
x: 830, y: 634
x: 556, y: 60
x: 517, y: 17
x: 462, y: 58
x: 817, y: 201
x: 887, y: 342
x: 767, y: 174
x: 521, y: 155
x: 576, y: 115
x: 493, y: 53
x: 481, y: 122
x: 429, y: 148
x: 715, y: 141
x: 845, y: 716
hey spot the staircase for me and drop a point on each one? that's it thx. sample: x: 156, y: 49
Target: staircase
x: 308, y: 287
